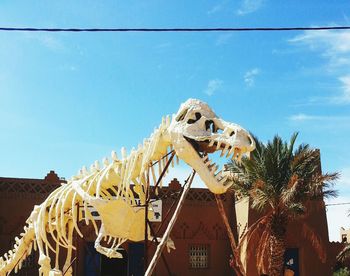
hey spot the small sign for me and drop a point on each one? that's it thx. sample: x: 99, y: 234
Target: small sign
x: 157, y: 210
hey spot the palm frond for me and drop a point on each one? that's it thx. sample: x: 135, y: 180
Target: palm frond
x: 251, y: 231
x: 262, y: 250
x: 292, y: 142
x: 296, y: 209
x: 321, y: 186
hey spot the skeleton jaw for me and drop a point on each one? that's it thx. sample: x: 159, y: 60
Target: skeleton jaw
x: 197, y: 155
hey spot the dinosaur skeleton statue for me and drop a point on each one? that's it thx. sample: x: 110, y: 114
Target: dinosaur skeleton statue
x: 114, y: 190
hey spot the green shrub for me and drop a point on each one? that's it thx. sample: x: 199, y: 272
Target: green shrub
x: 342, y: 272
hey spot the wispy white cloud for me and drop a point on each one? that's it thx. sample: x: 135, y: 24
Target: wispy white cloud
x: 344, y: 180
x: 52, y: 43
x: 249, y: 6
x: 215, y: 9
x: 69, y: 67
x: 213, y: 86
x: 344, y: 97
x: 163, y: 45
x: 223, y: 39
x: 301, y: 117
x: 48, y: 41
x: 249, y: 76
x: 334, y: 48
x: 334, y: 123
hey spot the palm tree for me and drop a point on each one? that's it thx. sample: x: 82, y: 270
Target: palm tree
x: 279, y: 180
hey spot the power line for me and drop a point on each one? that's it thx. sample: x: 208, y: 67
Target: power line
x: 335, y: 204
x: 262, y: 29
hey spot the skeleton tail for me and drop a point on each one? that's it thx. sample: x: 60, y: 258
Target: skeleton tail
x: 22, y: 249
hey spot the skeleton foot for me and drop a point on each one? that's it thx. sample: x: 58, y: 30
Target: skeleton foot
x: 113, y: 253
x: 169, y: 243
x: 108, y: 252
x: 45, y: 266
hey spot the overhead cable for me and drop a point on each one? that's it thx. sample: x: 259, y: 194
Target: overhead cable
x: 259, y: 29
x: 336, y: 204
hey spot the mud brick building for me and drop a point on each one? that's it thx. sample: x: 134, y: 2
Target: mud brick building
x: 202, y: 246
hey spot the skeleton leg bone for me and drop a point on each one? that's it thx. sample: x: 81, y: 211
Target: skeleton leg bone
x: 109, y: 252
x: 67, y: 268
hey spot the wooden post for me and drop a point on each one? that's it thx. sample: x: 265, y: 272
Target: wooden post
x: 166, y: 235
x: 238, y: 266
x: 145, y: 257
x: 147, y: 203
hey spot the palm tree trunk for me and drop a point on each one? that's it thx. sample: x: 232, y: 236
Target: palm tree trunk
x: 277, y: 246
x: 237, y: 264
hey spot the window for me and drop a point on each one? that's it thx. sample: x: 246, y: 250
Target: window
x: 199, y: 256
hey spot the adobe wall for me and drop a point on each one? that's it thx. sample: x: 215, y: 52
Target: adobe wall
x: 199, y: 223
x: 17, y: 199
x: 311, y: 261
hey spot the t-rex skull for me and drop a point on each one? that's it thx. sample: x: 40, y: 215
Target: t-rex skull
x: 195, y: 131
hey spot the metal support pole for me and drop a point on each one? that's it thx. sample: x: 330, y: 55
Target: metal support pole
x: 148, y: 197
x: 166, y: 235
x: 145, y: 255
x: 157, y: 242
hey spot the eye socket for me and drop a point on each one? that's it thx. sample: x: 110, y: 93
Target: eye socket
x: 198, y: 116
x: 209, y: 125
x: 182, y: 116
x: 232, y: 133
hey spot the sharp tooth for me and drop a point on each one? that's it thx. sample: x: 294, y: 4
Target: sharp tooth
x: 237, y: 151
x: 226, y: 150
x: 211, y: 143
x: 210, y: 165
x: 239, y: 158
x: 248, y: 154
x: 234, y: 153
x: 219, y: 175
x: 222, y: 153
x: 223, y: 179
x: 230, y: 152
x: 205, y: 158
x: 218, y: 146
x: 214, y: 169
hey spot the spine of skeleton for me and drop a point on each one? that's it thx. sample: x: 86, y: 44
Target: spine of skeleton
x: 23, y: 247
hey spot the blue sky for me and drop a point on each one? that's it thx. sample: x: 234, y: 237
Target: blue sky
x: 67, y: 99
